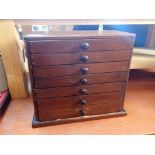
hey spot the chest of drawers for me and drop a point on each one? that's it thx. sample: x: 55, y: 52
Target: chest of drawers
x: 78, y: 75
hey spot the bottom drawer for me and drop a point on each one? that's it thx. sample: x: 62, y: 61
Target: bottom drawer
x: 47, y: 115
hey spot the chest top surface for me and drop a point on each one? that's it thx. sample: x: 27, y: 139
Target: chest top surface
x: 78, y: 35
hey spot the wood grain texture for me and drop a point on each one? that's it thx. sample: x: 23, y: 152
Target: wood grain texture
x: 75, y: 90
x: 74, y: 101
x: 51, y: 81
x: 72, y: 45
x: 71, y: 35
x: 46, y: 114
x: 13, y: 60
x: 56, y: 58
x: 76, y: 57
x: 36, y: 123
x: 31, y: 80
x: 75, y: 69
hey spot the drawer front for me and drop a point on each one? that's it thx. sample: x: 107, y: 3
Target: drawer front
x: 79, y: 57
x: 54, y: 46
x: 46, y: 114
x: 47, y: 82
x: 80, y: 90
x: 75, y: 69
x: 80, y: 101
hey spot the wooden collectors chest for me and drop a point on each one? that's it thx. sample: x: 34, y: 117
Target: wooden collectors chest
x: 78, y: 75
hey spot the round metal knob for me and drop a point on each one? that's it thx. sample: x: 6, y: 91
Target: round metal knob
x: 82, y: 112
x: 83, y: 91
x: 84, y: 58
x: 84, y: 70
x: 83, y: 81
x: 83, y: 102
x: 84, y: 46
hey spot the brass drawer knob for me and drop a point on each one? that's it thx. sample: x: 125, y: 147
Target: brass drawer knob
x: 83, y: 91
x: 84, y: 70
x: 83, y: 102
x: 84, y: 46
x: 82, y: 112
x: 83, y: 81
x: 84, y: 58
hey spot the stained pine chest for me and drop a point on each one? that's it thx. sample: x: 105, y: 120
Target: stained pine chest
x: 78, y: 75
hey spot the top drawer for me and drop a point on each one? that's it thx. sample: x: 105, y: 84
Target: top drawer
x: 54, y: 46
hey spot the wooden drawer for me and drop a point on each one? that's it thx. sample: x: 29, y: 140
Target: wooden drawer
x: 77, y: 90
x: 47, y: 114
x: 79, y: 57
x: 75, y: 69
x: 47, y: 82
x: 54, y: 46
x: 80, y: 101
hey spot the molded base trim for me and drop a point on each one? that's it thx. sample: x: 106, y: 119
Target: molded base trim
x: 36, y: 123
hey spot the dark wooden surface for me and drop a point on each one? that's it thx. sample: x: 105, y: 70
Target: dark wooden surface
x: 47, y: 114
x: 75, y: 69
x: 75, y: 90
x: 58, y: 63
x: 78, y: 35
x: 76, y: 57
x: 31, y: 73
x: 74, y: 101
x: 59, y: 46
x: 58, y: 81
x: 36, y: 123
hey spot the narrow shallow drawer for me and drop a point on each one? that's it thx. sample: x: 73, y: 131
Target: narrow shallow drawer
x: 47, y: 82
x: 76, y: 69
x: 80, y: 90
x: 54, y: 46
x: 79, y: 57
x: 80, y: 101
x: 47, y: 114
